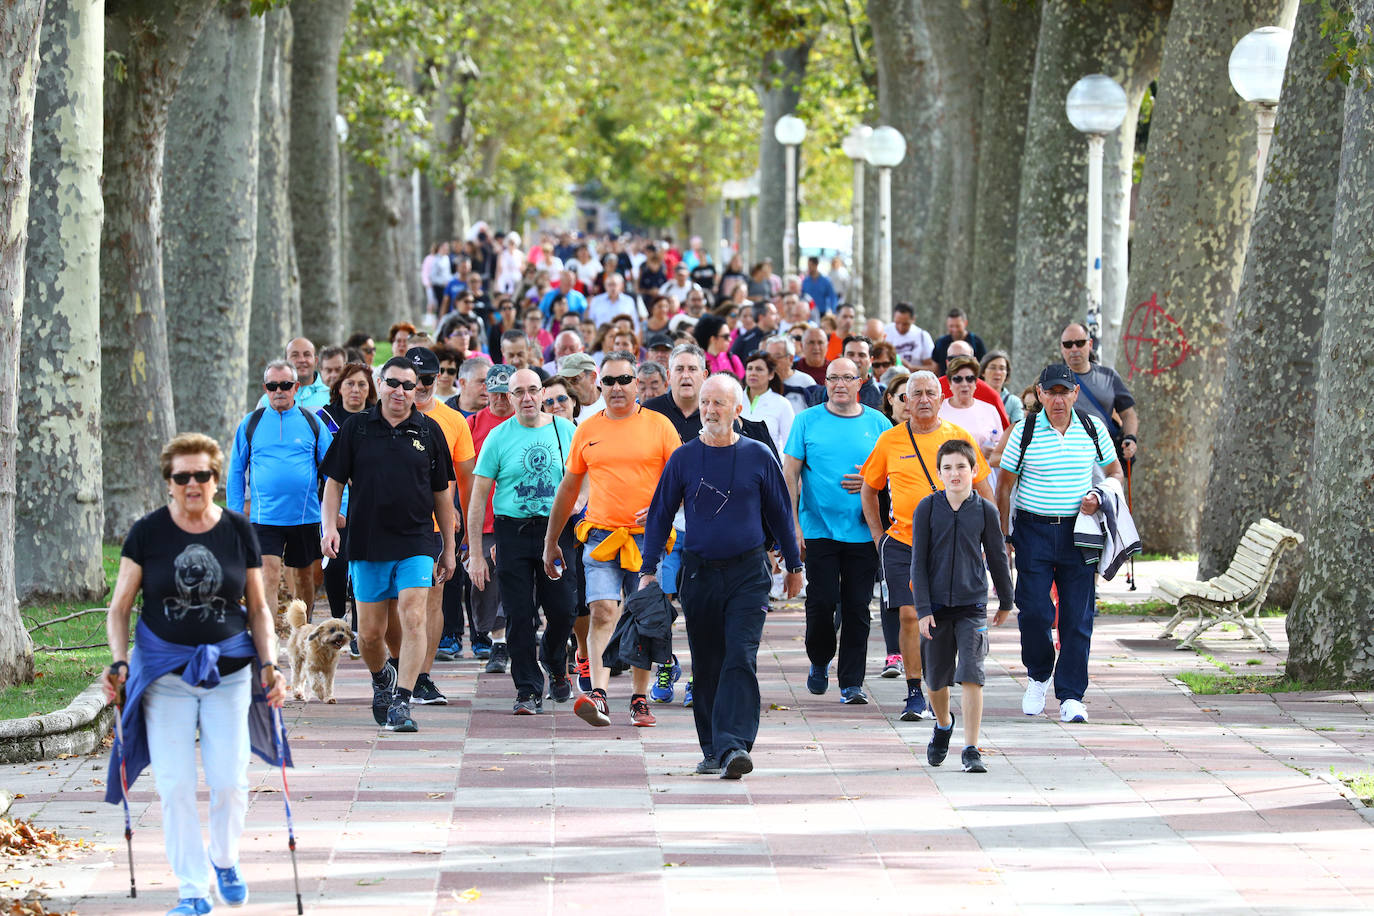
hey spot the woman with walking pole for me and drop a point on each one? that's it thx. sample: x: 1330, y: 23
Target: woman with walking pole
x: 202, y: 662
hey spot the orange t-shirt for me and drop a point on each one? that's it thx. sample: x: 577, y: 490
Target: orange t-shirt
x: 834, y: 348
x: 456, y: 434
x: 622, y: 460
x: 893, y: 462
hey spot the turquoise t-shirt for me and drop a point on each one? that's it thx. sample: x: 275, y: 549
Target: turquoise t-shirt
x: 829, y: 447
x: 527, y: 465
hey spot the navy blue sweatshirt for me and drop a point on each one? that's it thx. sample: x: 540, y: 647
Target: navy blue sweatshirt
x: 947, y: 550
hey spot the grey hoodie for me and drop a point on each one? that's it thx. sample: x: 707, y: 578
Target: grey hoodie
x: 947, y: 550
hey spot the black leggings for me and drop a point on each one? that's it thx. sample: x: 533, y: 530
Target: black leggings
x: 336, y: 582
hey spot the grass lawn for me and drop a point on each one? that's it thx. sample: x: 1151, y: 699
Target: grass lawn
x: 1151, y: 608
x: 61, y: 675
x: 1362, y: 784
x: 1227, y: 682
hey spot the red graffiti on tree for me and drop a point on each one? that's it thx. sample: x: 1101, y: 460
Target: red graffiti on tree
x: 1153, y: 342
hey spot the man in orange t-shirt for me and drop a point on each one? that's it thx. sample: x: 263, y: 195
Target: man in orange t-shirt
x: 621, y: 452
x: 904, y: 461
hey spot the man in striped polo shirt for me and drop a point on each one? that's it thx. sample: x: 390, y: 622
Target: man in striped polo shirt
x: 1054, y: 471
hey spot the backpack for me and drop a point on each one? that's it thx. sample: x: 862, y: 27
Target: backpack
x: 1028, y: 430
x: 310, y: 418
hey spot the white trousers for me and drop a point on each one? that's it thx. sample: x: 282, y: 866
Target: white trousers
x: 174, y: 711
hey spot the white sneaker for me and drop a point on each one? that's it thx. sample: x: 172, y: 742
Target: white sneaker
x: 1033, y: 700
x: 1072, y: 711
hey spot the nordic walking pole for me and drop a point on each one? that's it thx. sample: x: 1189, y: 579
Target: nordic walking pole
x: 124, y: 787
x: 1130, y: 463
x: 279, y: 739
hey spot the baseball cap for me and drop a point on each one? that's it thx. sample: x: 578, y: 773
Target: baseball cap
x: 659, y: 340
x: 574, y: 364
x: 1057, y: 374
x: 424, y: 360
x: 498, y: 378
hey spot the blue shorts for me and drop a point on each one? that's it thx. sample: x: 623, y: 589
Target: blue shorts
x: 608, y: 581
x: 381, y: 580
x: 670, y: 565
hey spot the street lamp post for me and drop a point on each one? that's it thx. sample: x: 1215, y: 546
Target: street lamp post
x: 1096, y: 106
x: 886, y: 149
x: 1256, y: 68
x: 790, y: 132
x: 855, y: 146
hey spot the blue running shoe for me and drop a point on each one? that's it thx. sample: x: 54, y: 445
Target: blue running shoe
x: 916, y: 708
x: 232, y: 889
x: 853, y: 696
x: 191, y: 906
x: 450, y: 647
x: 687, y: 695
x: 584, y: 674
x: 667, y: 676
x: 818, y: 679
x: 481, y: 649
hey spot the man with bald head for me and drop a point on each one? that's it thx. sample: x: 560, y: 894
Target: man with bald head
x: 566, y: 343
x: 566, y: 289
x: 614, y: 301
x: 311, y: 391
x: 812, y: 362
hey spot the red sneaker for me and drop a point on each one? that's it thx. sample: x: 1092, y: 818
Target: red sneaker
x: 592, y: 709
x: 640, y: 715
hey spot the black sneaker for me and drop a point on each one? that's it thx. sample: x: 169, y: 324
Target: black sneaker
x: 426, y: 694
x: 353, y: 648
x: 709, y: 766
x: 398, y: 718
x: 560, y: 689
x: 500, y: 657
x: 381, y: 693
x: 973, y: 760
x: 737, y: 763
x: 938, y: 748
x: 527, y: 704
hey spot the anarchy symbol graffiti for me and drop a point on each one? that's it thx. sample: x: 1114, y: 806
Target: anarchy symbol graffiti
x: 1153, y: 341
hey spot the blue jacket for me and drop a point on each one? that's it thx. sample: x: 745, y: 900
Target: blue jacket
x: 153, y: 657
x: 283, y: 484
x: 821, y: 291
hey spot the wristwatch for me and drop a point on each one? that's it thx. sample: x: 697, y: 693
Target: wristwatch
x: 797, y: 570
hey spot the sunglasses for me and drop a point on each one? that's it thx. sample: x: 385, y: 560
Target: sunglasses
x: 398, y: 383
x: 279, y: 386
x: 882, y: 366
x: 369, y: 349
x: 963, y: 379
x: 449, y: 370
x: 1073, y: 343
x: 624, y: 381
x: 901, y: 397
x: 182, y: 478
x: 560, y: 399
x: 426, y: 380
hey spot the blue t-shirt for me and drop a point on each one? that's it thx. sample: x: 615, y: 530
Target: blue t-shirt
x: 830, y: 446
x: 455, y: 286
x: 527, y: 465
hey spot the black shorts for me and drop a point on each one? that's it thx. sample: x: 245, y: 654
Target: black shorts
x: 896, y: 570
x: 297, y: 545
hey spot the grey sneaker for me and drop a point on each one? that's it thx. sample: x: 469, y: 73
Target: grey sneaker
x: 528, y: 704
x: 938, y: 748
x: 381, y: 692
x: 500, y: 657
x: 973, y: 760
x: 398, y: 718
x: 709, y: 766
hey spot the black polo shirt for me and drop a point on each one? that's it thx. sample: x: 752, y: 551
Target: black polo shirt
x: 392, y: 474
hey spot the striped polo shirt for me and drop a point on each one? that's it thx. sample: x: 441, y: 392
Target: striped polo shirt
x: 1057, y: 469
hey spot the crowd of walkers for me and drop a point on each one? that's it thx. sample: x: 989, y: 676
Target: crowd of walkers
x: 576, y: 445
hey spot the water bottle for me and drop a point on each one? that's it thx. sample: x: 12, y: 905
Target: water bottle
x: 882, y: 590
x: 558, y: 567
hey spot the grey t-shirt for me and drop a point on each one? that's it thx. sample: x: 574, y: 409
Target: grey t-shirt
x: 1111, y: 393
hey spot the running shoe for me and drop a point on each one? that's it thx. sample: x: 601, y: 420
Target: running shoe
x: 191, y: 906
x: 640, y: 715
x: 973, y: 760
x: 853, y: 696
x: 938, y: 748
x: 593, y: 709
x: 398, y: 718
x: 1033, y: 700
x: 667, y: 676
x: 382, y: 691
x: 481, y: 649
x: 687, y: 695
x: 916, y: 708
x: 353, y: 648
x: 893, y: 666
x: 818, y: 679
x: 426, y: 694
x: 450, y: 648
x: 1073, y: 711
x: 560, y: 689
x: 231, y: 888
x: 709, y: 766
x: 527, y: 704
x: 500, y: 657
x: 584, y: 674
x: 737, y: 763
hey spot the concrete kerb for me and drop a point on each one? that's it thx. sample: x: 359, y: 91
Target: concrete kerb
x: 78, y: 729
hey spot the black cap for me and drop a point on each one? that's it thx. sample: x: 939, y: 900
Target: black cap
x: 659, y: 340
x: 424, y: 360
x: 1058, y: 374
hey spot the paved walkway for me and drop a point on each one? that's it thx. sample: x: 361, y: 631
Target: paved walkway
x: 1165, y: 802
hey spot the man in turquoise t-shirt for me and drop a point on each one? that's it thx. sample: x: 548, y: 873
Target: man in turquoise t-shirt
x: 524, y: 458
x: 825, y: 450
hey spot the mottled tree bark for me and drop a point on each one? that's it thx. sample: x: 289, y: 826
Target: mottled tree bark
x: 212, y: 220
x: 378, y: 269
x: 907, y: 100
x: 276, y: 313
x: 1271, y: 368
x: 147, y: 46
x: 1189, y: 247
x: 1076, y: 39
x: 20, y: 23
x: 1331, y: 627
x: 318, y: 29
x: 779, y: 88
x: 1010, y: 62
x: 58, y: 530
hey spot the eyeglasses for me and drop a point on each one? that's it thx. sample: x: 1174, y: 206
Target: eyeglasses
x: 449, y: 370
x: 842, y: 378
x: 519, y: 393
x: 279, y: 386
x: 963, y: 379
x: 1073, y: 343
x: 624, y: 381
x: 882, y: 367
x: 182, y: 478
x: 398, y: 383
x: 560, y: 399
x: 369, y: 349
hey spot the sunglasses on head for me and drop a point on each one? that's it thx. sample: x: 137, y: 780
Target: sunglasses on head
x: 624, y: 381
x: 963, y: 379
x: 398, y: 383
x: 279, y: 386
x: 182, y: 478
x: 559, y: 399
x: 1073, y: 343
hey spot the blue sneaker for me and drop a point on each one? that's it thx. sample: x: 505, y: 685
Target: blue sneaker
x: 818, y: 679
x: 191, y: 906
x: 687, y: 695
x: 481, y: 650
x: 853, y: 696
x: 232, y: 889
x: 668, y: 675
x: 916, y: 708
x: 584, y: 673
x: 450, y: 647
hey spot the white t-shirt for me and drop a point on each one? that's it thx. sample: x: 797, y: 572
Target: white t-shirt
x: 586, y: 273
x: 914, y: 347
x: 981, y: 421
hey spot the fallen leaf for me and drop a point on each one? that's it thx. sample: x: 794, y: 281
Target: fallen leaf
x: 493, y: 769
x: 471, y: 895
x: 434, y: 794
x: 368, y: 882
x: 776, y: 706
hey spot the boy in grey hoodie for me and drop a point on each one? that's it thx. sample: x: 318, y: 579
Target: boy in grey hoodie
x: 951, y: 532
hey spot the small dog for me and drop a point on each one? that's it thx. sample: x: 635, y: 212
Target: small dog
x: 314, y: 649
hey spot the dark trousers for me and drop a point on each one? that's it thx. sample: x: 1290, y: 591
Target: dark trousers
x: 1045, y: 555
x: 454, y: 605
x: 839, y: 573
x: 725, y: 603
x: 524, y: 589
x: 336, y: 580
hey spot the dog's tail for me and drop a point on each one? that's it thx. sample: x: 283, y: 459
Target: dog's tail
x: 295, y: 613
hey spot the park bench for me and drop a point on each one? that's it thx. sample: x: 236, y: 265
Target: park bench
x: 1237, y: 595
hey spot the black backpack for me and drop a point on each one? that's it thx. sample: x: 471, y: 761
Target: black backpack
x: 1028, y: 430
x: 256, y: 418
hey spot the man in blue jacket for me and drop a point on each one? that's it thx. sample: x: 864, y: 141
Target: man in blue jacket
x: 278, y: 449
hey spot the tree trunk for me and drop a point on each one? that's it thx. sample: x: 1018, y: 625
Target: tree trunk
x: 779, y: 89
x: 20, y: 24
x: 1278, y: 323
x: 276, y: 312
x: 909, y: 101
x: 1076, y: 39
x: 377, y: 278
x: 1331, y: 627
x: 211, y: 216
x: 58, y: 531
x: 1012, y: 29
x: 318, y: 30
x: 147, y: 47
x: 959, y: 38
x: 1189, y: 247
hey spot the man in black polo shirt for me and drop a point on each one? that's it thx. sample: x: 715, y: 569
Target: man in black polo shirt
x: 396, y: 463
